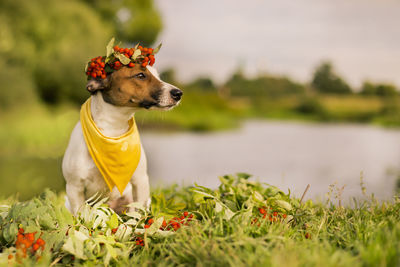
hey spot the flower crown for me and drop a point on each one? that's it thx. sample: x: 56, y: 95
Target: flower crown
x: 116, y: 58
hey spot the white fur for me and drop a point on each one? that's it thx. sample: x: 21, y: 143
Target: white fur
x: 83, y: 179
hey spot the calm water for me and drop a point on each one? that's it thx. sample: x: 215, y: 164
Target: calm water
x: 285, y: 154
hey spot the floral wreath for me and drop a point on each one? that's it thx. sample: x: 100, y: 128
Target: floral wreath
x: 116, y: 57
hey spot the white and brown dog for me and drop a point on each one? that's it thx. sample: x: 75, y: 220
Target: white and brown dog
x: 114, y: 102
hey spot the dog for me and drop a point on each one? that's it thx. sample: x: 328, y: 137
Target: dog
x: 114, y: 101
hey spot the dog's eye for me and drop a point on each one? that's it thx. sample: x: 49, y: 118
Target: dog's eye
x: 140, y: 76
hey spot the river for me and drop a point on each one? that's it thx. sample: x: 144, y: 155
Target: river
x: 285, y: 154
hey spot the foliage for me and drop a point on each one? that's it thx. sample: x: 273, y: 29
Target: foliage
x: 385, y: 90
x: 241, y: 223
x: 203, y: 84
x: 325, y: 80
x: 48, y: 42
x: 133, y: 20
x: 311, y: 105
x: 262, y: 86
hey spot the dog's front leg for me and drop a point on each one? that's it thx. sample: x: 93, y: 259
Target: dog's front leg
x: 141, y: 189
x: 76, y: 196
x: 140, y: 182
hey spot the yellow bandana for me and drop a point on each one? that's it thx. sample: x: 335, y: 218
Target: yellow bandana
x: 116, y: 157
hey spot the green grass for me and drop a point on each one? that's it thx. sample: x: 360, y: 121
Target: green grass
x: 223, y: 231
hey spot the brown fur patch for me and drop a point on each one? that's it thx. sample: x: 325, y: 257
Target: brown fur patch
x: 126, y: 87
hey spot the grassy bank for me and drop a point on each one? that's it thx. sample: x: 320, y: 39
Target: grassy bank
x: 242, y: 223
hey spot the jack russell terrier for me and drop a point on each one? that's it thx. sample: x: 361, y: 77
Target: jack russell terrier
x: 108, y: 116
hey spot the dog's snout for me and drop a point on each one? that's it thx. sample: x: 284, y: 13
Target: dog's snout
x: 176, y: 94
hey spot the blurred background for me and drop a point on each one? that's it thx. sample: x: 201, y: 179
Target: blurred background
x: 294, y: 93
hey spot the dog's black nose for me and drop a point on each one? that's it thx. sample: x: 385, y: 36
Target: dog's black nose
x: 176, y: 94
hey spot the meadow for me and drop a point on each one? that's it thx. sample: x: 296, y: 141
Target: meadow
x: 241, y: 223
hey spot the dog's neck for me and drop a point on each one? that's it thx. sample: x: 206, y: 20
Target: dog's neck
x: 111, y: 120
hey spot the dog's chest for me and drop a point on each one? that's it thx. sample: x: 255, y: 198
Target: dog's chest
x: 94, y: 182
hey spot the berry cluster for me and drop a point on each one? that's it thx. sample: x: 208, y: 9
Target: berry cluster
x: 96, y: 68
x: 273, y: 216
x: 147, y: 55
x: 173, y: 224
x: 26, y: 244
x: 117, y: 57
x: 177, y: 222
x: 139, y: 241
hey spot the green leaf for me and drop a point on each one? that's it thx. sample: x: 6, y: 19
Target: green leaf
x: 108, y: 69
x: 243, y: 175
x: 110, y: 47
x: 123, y: 233
x: 124, y: 60
x: 283, y: 204
x: 136, y: 54
x: 134, y: 214
x: 155, y: 226
x: 218, y: 207
x: 113, y: 222
x: 155, y: 51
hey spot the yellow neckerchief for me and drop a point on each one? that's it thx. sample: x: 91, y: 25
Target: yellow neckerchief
x: 116, y: 157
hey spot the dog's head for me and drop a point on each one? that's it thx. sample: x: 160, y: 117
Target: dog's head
x: 136, y: 87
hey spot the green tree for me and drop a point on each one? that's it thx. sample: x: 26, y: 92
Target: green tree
x: 368, y: 88
x: 48, y: 42
x: 203, y: 84
x: 262, y: 86
x: 325, y: 80
x: 385, y: 90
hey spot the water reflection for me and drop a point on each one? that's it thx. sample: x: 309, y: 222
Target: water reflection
x: 288, y: 155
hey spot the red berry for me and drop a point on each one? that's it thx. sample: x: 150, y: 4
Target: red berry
x: 146, y: 226
x: 116, y: 48
x: 30, y: 236
x: 131, y: 65
x: 40, y: 241
x: 150, y: 221
x: 261, y: 210
x: 185, y: 213
x: 21, y: 230
x: 35, y: 247
x: 275, y: 213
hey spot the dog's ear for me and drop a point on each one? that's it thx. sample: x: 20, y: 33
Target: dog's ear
x: 97, y: 84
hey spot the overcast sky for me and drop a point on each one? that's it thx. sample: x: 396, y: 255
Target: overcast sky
x: 214, y: 37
